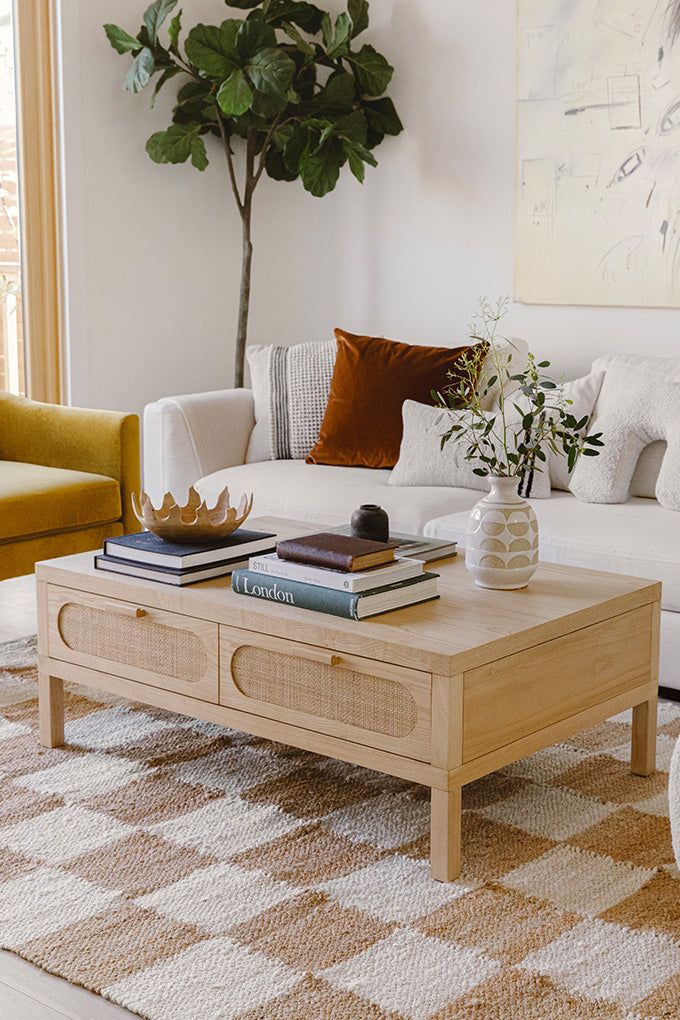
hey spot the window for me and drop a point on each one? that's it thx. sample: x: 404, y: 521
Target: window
x: 30, y: 281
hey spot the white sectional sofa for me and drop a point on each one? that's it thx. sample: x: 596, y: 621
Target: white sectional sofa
x: 202, y: 439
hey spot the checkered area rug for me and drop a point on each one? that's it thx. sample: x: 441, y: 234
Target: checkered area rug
x: 189, y: 872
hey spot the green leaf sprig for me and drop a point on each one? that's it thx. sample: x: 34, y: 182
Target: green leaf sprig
x: 512, y: 437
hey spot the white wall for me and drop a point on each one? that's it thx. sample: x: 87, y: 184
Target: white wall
x: 153, y: 252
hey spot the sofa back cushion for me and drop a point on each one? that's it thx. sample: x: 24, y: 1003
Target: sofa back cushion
x: 362, y: 426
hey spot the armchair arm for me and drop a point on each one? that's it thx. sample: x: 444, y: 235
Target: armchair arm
x: 188, y: 437
x: 78, y: 439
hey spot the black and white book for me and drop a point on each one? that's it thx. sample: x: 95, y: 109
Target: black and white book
x: 149, y: 549
x: 168, y: 575
x: 326, y: 577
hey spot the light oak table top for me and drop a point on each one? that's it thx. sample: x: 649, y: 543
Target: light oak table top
x: 466, y: 627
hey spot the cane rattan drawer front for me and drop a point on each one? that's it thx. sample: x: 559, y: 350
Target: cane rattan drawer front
x: 372, y: 703
x: 176, y: 653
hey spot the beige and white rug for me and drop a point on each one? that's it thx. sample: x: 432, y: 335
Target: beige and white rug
x: 189, y: 872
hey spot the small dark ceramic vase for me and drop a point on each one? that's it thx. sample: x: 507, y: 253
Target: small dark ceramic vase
x: 371, y: 521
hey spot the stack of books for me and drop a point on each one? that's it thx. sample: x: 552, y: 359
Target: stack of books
x: 337, y: 574
x: 147, y: 556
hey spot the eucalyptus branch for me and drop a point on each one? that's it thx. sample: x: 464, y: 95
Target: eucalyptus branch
x: 513, y: 437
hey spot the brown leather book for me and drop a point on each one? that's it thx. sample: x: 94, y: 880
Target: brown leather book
x: 338, y: 552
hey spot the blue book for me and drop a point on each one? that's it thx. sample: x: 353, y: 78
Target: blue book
x: 351, y: 605
x: 151, y: 550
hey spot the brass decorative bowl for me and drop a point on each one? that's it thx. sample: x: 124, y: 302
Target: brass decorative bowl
x: 195, y: 522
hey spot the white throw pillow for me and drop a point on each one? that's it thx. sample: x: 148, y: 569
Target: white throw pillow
x: 583, y: 393
x: 290, y: 389
x: 648, y: 466
x: 635, y: 409
x: 423, y: 462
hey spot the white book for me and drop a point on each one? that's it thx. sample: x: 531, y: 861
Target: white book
x: 341, y: 580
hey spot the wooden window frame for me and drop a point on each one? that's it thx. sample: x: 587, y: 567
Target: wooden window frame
x: 35, y: 33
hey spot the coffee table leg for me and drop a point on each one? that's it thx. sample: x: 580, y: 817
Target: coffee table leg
x: 445, y: 835
x: 50, y: 708
x: 643, y: 738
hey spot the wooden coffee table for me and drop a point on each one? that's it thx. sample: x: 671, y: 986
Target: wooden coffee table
x: 440, y: 694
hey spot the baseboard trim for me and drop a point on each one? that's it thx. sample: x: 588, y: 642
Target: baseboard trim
x: 670, y: 693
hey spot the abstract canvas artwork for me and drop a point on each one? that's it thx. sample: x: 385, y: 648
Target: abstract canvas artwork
x: 598, y: 177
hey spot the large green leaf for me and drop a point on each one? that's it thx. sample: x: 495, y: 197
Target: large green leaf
x: 139, y: 75
x: 199, y: 157
x: 121, y: 41
x: 253, y: 36
x: 296, y: 148
x: 268, y: 106
x: 358, y: 12
x: 337, y: 41
x: 353, y: 126
x: 212, y: 49
x: 382, y: 117
x: 168, y: 73
x: 173, y: 31
x: 373, y: 72
x: 320, y: 170
x: 356, y: 164
x: 235, y: 95
x: 276, y: 167
x: 175, y: 145
x: 306, y: 16
x: 305, y: 47
x: 359, y: 150
x: 338, y: 95
x: 155, y: 15
x: 271, y: 71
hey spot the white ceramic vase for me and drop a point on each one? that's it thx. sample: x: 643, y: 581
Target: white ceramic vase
x: 502, y: 538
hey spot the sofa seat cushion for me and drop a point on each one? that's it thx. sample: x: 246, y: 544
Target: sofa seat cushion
x: 320, y: 493
x: 36, y: 500
x: 639, y: 538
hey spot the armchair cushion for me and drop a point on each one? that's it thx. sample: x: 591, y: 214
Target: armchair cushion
x: 36, y: 500
x: 74, y: 439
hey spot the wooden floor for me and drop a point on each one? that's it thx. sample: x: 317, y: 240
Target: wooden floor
x: 27, y: 993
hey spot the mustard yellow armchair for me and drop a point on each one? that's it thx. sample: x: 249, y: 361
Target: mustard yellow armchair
x: 66, y: 476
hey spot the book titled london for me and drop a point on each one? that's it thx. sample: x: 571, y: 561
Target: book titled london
x: 351, y: 605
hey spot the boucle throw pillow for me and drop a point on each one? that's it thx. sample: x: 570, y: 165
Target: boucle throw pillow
x: 651, y: 458
x: 362, y: 426
x: 423, y: 462
x: 646, y: 410
x: 290, y: 389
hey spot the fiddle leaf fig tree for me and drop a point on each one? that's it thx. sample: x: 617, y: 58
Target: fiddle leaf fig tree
x: 284, y: 89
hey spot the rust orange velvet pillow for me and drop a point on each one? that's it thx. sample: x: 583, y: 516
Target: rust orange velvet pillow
x: 362, y: 426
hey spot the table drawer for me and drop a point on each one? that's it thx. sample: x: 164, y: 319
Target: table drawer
x: 167, y: 650
x: 371, y: 703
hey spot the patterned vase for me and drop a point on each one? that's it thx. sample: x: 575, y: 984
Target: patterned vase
x: 502, y: 538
